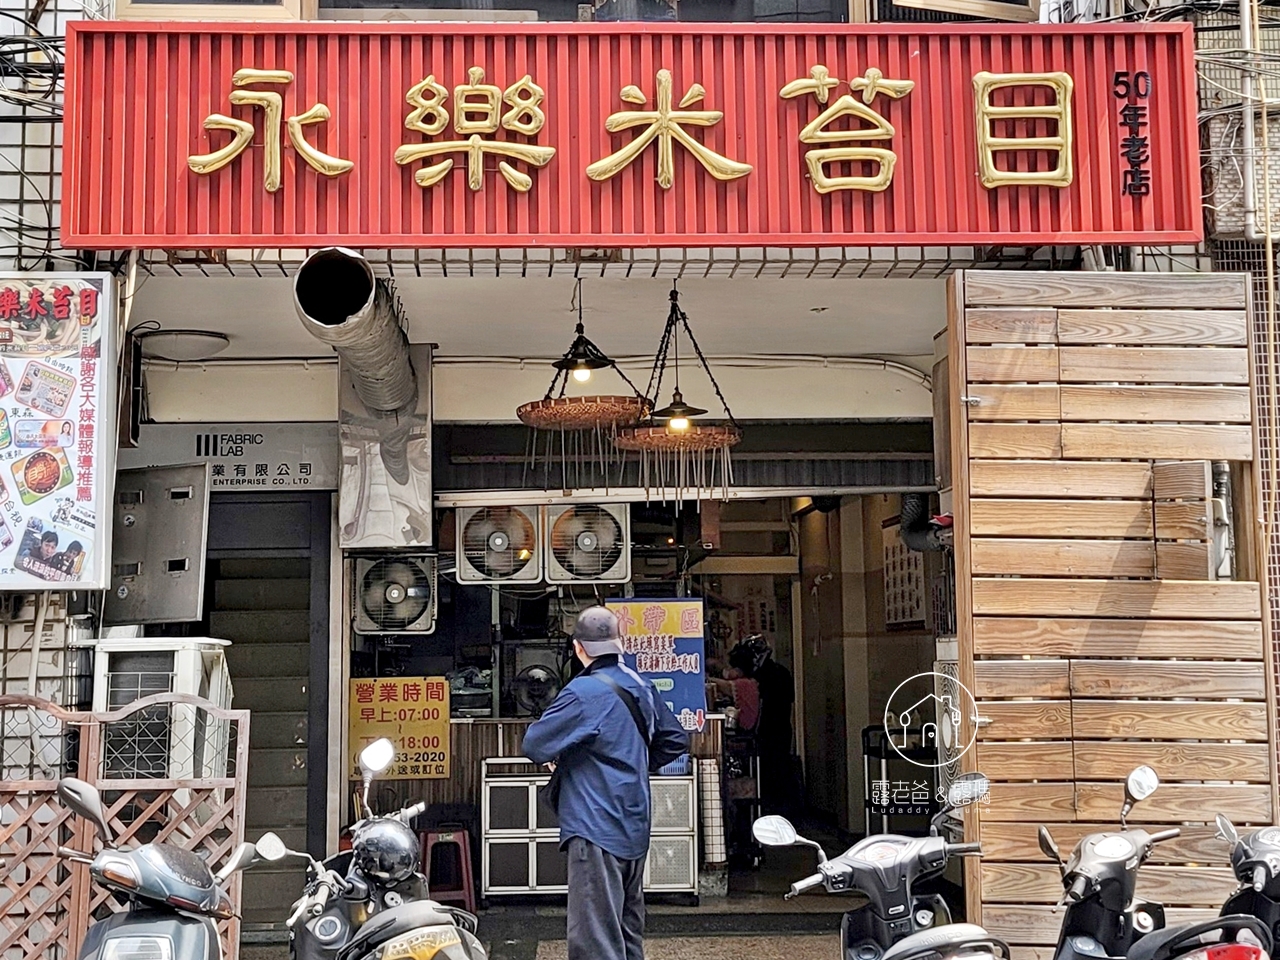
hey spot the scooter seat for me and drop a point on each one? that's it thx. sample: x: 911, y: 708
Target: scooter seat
x: 942, y: 941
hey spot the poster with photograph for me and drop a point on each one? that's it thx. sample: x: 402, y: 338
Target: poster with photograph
x: 57, y: 429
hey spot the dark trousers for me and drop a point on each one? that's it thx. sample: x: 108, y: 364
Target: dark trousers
x: 606, y: 904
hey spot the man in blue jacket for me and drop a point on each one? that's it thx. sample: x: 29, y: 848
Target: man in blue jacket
x: 605, y: 732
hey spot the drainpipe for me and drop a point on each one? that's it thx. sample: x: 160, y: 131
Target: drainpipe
x: 342, y: 305
x: 1248, y: 98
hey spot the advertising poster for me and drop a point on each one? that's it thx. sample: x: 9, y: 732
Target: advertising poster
x: 57, y: 429
x: 411, y: 712
x: 664, y: 643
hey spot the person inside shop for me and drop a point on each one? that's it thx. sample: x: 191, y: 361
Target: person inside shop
x: 754, y: 657
x: 734, y: 688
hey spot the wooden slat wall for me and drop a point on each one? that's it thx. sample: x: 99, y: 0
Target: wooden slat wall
x: 1085, y: 418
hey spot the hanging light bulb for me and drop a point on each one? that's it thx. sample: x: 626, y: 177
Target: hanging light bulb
x: 583, y: 356
x: 677, y: 413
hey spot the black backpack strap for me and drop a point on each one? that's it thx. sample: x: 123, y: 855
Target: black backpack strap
x: 629, y: 699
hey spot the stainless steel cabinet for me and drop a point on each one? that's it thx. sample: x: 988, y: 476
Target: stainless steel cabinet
x: 520, y: 837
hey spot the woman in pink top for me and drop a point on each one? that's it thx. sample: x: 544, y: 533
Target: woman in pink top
x: 746, y: 696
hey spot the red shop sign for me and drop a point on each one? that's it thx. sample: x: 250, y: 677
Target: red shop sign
x: 431, y: 135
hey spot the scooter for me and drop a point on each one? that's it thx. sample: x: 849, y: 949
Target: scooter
x: 1255, y: 858
x: 895, y: 923
x: 174, y: 899
x: 382, y: 910
x: 1106, y: 919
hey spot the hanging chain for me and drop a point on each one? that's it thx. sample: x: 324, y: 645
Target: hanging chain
x: 705, y: 366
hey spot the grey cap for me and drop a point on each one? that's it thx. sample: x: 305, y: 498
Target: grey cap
x: 597, y: 631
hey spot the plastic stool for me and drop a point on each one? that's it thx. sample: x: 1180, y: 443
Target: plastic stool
x: 463, y: 892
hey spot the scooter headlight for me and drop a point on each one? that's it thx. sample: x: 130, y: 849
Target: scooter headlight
x: 420, y: 944
x: 138, y: 948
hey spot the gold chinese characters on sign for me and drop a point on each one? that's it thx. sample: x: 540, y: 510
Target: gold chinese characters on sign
x: 848, y: 144
x: 989, y: 144
x: 479, y: 110
x: 665, y: 125
x: 272, y: 104
x: 822, y: 129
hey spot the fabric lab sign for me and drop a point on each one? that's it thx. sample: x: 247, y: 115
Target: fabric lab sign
x: 411, y: 135
x: 663, y: 642
x: 57, y: 429
x: 411, y: 712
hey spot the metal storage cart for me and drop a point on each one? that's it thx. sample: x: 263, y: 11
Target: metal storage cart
x: 520, y: 837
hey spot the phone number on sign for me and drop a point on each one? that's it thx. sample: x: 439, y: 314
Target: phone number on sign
x: 429, y: 756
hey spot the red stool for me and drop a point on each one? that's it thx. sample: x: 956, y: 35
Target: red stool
x: 455, y: 844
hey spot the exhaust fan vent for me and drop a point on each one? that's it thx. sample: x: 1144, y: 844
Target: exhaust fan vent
x: 499, y: 545
x: 395, y: 594
x: 589, y: 544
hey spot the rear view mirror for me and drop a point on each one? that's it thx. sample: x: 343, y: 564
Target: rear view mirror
x: 271, y: 847
x: 1047, y: 846
x: 377, y: 757
x: 774, y: 832
x: 1227, y: 829
x: 84, y: 799
x: 239, y: 859
x: 1140, y: 784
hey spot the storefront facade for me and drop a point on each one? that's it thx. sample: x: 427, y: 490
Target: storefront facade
x: 568, y: 151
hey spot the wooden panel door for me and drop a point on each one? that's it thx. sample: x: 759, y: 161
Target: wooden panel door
x: 1086, y: 411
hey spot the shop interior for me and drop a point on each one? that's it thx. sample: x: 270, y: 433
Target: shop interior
x: 806, y: 547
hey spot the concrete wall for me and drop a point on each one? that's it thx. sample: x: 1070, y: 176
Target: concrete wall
x: 297, y: 390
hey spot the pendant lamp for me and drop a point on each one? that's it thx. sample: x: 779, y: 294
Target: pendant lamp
x: 680, y: 457
x: 571, y: 443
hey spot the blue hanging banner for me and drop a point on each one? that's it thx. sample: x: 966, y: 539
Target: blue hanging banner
x: 664, y: 643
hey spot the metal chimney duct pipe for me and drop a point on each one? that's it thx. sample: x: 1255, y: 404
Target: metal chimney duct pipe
x: 341, y: 304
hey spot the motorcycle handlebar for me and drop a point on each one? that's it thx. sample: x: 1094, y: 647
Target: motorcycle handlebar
x: 1078, y: 889
x: 803, y: 886
x: 408, y: 813
x: 1166, y: 835
x: 964, y: 849
x: 323, y: 891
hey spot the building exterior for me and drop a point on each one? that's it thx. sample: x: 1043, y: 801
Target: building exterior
x: 923, y: 252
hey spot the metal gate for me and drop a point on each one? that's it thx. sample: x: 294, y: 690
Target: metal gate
x: 171, y: 768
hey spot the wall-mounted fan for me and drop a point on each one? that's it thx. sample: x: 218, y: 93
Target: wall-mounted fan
x: 395, y: 593
x: 589, y: 543
x: 534, y: 688
x: 499, y: 545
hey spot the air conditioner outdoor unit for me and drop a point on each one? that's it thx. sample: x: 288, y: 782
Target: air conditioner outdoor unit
x: 169, y: 741
x: 588, y: 543
x: 499, y: 544
x: 395, y: 593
